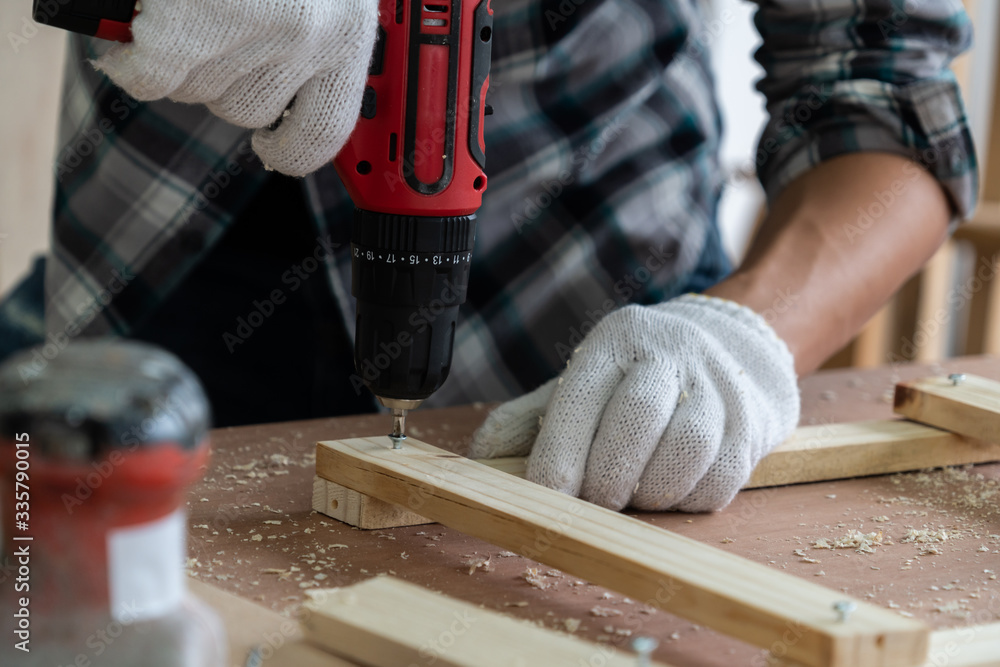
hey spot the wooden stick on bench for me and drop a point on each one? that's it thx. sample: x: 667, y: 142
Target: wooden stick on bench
x: 706, y: 585
x: 812, y: 454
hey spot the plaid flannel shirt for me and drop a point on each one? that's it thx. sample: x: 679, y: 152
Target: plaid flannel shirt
x: 602, y: 157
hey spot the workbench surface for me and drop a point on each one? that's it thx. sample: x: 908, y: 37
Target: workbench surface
x: 253, y: 533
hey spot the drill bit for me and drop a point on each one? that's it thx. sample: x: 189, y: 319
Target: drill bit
x: 398, y: 434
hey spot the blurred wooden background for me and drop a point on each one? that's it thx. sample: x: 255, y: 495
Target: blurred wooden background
x: 31, y: 60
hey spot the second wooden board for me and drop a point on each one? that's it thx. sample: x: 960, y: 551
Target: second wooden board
x: 969, y: 405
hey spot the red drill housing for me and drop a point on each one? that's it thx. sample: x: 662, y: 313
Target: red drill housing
x: 418, y: 147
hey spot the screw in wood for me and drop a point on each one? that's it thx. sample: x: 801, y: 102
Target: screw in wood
x: 844, y: 609
x: 957, y: 378
x: 644, y: 647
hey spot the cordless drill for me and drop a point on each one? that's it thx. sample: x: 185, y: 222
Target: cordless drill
x: 414, y: 169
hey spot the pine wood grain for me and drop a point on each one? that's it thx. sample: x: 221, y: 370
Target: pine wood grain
x: 970, y: 408
x: 386, y: 622
x: 685, y: 577
x: 811, y: 454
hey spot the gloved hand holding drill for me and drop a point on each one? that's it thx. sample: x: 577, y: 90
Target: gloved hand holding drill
x: 248, y: 59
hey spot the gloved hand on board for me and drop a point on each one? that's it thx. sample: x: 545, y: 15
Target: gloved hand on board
x: 661, y: 407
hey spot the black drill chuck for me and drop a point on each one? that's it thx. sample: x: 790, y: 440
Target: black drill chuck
x: 410, y: 274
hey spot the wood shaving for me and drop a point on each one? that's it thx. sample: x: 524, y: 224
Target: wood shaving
x: 257, y: 538
x: 479, y: 563
x: 571, y: 624
x: 803, y: 558
x: 923, y: 536
x: 532, y: 576
x: 604, y: 612
x: 519, y: 603
x: 273, y: 522
x: 862, y: 543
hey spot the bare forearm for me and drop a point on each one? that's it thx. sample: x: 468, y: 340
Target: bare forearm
x: 836, y: 244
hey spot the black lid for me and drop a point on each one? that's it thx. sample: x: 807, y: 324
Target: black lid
x: 101, y: 394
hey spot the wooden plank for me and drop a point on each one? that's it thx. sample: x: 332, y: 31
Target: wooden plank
x: 970, y: 408
x: 969, y: 646
x: 857, y: 449
x: 674, y: 573
x: 363, y: 511
x: 386, y: 622
x: 250, y: 626
x: 360, y: 510
x: 812, y: 454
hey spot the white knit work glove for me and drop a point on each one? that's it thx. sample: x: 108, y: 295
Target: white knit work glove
x: 247, y: 59
x: 661, y: 407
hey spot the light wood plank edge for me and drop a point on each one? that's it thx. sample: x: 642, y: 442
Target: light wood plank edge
x: 706, y: 585
x: 967, y: 646
x: 811, y: 454
x: 858, y: 449
x: 970, y: 408
x: 362, y: 511
x: 248, y: 626
x: 386, y: 622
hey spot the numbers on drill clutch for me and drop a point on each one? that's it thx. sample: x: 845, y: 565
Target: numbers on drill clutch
x: 413, y: 260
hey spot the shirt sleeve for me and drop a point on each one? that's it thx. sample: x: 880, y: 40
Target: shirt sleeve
x: 843, y: 76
